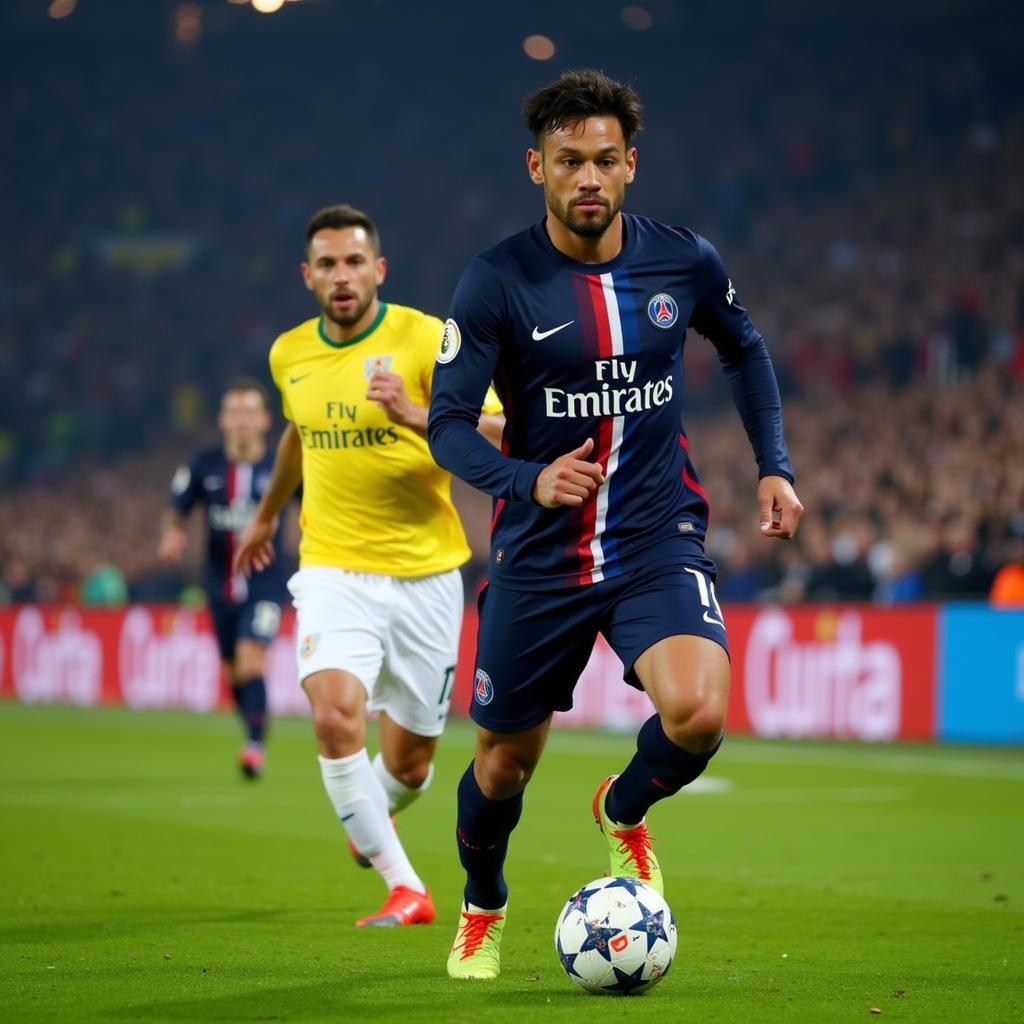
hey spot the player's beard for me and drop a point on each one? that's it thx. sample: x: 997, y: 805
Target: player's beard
x: 348, y: 319
x: 580, y: 224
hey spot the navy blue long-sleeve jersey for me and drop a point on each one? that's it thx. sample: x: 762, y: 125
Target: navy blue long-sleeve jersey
x: 230, y: 492
x: 594, y: 350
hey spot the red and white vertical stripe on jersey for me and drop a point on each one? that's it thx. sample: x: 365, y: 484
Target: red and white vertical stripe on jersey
x: 609, y: 439
x: 239, y: 486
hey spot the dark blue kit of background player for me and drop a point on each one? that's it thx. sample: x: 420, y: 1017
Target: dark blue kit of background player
x: 242, y: 609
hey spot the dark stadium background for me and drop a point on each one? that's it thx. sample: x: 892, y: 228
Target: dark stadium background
x: 858, y: 166
x: 854, y: 851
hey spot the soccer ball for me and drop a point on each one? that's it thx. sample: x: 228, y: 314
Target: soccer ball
x: 616, y: 936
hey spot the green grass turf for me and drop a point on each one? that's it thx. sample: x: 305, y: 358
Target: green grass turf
x: 140, y: 880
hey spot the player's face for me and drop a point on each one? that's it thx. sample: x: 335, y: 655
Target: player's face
x: 584, y: 169
x: 343, y: 273
x: 243, y: 418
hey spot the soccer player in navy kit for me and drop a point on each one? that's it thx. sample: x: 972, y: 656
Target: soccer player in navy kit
x: 599, y: 517
x: 229, y: 480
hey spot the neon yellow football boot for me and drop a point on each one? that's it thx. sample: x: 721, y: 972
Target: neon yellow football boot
x: 476, y: 952
x: 630, y: 852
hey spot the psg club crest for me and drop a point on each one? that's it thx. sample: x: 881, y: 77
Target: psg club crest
x: 483, y: 688
x: 662, y: 310
x: 376, y: 364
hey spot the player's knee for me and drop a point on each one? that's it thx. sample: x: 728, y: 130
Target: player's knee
x: 247, y: 667
x: 695, y: 725
x: 337, y: 728
x: 413, y: 776
x: 504, y: 771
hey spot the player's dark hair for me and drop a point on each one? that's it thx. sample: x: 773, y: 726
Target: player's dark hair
x: 343, y: 216
x: 577, y: 95
x: 246, y: 384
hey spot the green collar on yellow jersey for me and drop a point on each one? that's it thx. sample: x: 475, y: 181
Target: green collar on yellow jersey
x: 359, y: 337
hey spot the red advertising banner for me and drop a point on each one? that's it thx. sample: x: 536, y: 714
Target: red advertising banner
x: 144, y: 656
x: 851, y: 672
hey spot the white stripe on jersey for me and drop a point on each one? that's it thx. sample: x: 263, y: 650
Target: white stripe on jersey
x: 238, y: 586
x: 615, y: 328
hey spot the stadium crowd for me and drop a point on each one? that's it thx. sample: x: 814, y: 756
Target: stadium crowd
x: 875, y: 229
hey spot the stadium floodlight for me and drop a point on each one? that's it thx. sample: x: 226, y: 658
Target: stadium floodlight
x: 268, y: 6
x: 539, y: 47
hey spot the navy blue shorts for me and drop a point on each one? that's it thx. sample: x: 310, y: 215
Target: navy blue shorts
x: 532, y: 646
x: 253, y: 619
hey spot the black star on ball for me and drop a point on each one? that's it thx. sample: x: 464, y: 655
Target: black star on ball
x: 598, y: 937
x: 568, y: 959
x: 579, y: 901
x: 629, y: 884
x: 652, y: 925
x: 626, y: 983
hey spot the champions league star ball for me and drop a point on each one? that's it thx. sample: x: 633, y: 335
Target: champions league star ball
x: 616, y: 936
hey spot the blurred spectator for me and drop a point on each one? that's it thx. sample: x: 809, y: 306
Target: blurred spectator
x: 105, y: 585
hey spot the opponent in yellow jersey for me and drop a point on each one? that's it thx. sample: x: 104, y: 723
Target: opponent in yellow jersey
x: 378, y: 594
x: 373, y: 499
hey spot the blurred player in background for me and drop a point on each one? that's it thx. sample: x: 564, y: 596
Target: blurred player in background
x: 599, y: 519
x: 229, y: 480
x: 378, y: 592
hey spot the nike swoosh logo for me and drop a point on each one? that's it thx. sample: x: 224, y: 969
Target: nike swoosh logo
x: 295, y: 380
x: 539, y: 335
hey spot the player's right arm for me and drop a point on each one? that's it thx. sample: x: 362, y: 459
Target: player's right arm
x: 255, y: 548
x: 184, y: 494
x: 465, y: 368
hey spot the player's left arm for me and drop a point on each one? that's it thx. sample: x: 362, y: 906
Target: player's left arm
x: 744, y: 356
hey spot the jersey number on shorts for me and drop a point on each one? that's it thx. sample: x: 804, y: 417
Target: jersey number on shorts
x: 706, y: 589
x: 446, y: 686
x: 266, y: 617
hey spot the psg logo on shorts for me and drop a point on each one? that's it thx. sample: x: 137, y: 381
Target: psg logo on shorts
x: 483, y: 688
x: 662, y: 310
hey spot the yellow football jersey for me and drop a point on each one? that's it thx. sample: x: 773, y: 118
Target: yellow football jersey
x: 373, y: 498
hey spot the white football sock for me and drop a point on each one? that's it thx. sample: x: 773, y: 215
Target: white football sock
x: 399, y: 795
x: 360, y: 802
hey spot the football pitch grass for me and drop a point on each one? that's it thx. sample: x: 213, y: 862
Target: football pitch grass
x: 141, y: 880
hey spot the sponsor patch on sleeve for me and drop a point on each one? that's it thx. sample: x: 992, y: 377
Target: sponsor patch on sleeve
x: 451, y: 342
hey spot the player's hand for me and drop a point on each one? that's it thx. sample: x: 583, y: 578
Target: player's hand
x: 569, y: 480
x: 388, y: 391
x: 780, y: 507
x: 172, y: 544
x: 255, y: 548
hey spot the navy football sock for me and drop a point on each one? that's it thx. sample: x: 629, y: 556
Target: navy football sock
x: 659, y: 768
x: 251, y: 700
x: 483, y: 830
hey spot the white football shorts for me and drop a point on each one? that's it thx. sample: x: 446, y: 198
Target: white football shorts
x: 399, y: 637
